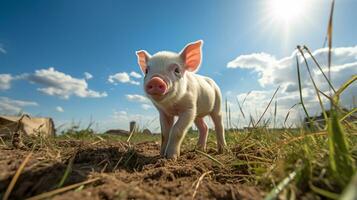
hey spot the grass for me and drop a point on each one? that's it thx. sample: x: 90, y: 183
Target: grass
x: 89, y: 134
x: 16, y: 177
x: 209, y: 157
x: 63, y: 189
x: 292, y: 162
x: 67, y: 172
x: 198, y: 183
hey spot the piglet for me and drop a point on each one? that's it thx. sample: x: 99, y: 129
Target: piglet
x: 173, y: 87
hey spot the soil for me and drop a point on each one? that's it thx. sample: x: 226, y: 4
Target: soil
x: 125, y: 171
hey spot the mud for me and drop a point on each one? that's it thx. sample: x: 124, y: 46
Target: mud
x: 125, y: 171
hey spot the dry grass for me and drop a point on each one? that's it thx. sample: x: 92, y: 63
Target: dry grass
x: 16, y: 177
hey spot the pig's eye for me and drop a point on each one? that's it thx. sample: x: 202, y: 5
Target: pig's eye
x: 177, y: 71
x: 146, y: 71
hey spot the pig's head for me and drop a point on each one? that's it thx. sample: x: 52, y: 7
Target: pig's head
x: 165, y: 72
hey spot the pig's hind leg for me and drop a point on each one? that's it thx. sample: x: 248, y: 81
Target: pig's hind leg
x: 203, y: 131
x: 218, y: 126
x: 217, y: 119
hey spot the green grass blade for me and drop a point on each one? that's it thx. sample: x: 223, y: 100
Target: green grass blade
x: 344, y: 87
x: 261, y: 117
x: 350, y: 192
x: 288, y: 113
x: 229, y: 117
x: 314, y: 84
x: 300, y: 89
x: 67, y: 172
x: 348, y: 114
x: 240, y: 108
x: 226, y: 107
x: 329, y: 34
x: 323, y: 192
x: 130, y: 135
x: 132, y: 153
x: 246, y: 96
x: 318, y: 66
x: 340, y: 158
x: 275, y: 112
x: 273, y: 194
x: 209, y: 157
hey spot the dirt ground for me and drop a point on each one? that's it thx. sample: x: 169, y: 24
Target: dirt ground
x: 124, y: 171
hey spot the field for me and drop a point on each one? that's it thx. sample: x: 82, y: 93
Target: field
x: 260, y: 162
x: 83, y: 164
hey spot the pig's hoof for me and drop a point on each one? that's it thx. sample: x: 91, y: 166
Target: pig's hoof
x: 201, y: 148
x: 162, y: 154
x: 172, y: 157
x: 222, y: 149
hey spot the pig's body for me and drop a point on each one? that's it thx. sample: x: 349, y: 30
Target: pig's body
x: 202, y: 93
x: 174, y: 89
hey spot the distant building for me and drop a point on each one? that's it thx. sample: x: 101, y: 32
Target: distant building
x: 147, y: 131
x: 319, y: 121
x: 133, y: 127
x: 117, y: 132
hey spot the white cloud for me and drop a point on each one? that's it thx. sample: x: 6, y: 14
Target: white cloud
x: 5, y: 81
x: 122, y: 77
x: 146, y: 106
x: 2, y: 49
x: 135, y: 82
x: 120, y: 115
x: 87, y: 75
x: 273, y: 72
x: 257, y: 61
x: 135, y: 74
x: 12, y: 106
x: 62, y: 85
x: 59, y: 109
x: 136, y: 98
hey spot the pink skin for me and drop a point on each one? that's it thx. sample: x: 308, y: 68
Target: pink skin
x: 203, y: 130
x: 156, y: 86
x: 171, y: 84
x: 166, y: 123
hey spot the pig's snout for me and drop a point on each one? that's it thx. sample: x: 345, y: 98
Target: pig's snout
x: 156, y: 86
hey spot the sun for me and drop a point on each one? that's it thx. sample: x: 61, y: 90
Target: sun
x: 286, y: 10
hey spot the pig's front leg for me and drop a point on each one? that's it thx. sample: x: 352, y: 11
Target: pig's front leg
x: 166, y: 124
x: 178, y: 132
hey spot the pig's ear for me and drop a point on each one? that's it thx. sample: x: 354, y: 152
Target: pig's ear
x: 192, y: 55
x: 143, y: 58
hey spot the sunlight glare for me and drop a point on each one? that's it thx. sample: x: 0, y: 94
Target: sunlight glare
x: 286, y: 10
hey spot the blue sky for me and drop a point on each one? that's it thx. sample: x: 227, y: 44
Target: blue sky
x: 101, y: 37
